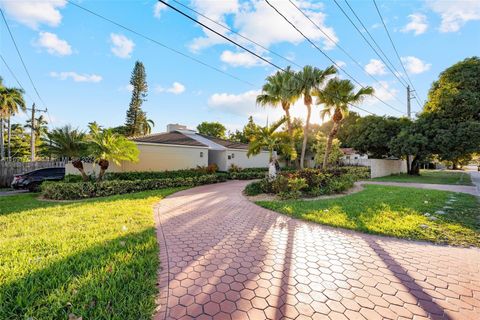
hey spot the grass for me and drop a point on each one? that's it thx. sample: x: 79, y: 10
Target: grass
x: 431, y: 176
x: 95, y: 259
x: 394, y: 211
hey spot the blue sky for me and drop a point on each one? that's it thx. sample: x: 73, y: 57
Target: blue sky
x: 81, y: 64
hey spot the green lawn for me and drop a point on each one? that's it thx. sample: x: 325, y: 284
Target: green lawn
x: 431, y: 176
x: 394, y: 211
x: 96, y: 258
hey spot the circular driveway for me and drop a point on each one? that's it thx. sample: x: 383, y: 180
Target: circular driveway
x: 223, y: 257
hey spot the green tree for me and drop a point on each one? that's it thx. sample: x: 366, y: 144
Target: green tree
x: 69, y: 143
x: 11, y: 102
x: 106, y: 146
x: 268, y: 138
x: 279, y: 91
x: 345, y: 132
x: 212, y: 129
x: 336, y: 97
x: 453, y: 111
x: 320, y: 146
x: 136, y: 117
x: 307, y: 81
x: 20, y: 142
x: 372, y: 134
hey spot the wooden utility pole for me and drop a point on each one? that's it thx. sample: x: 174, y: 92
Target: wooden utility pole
x: 32, y: 132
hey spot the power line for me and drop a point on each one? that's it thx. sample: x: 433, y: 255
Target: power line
x: 369, y: 44
x: 14, y: 76
x: 21, y: 59
x: 396, y: 51
x: 343, y: 50
x: 161, y: 44
x: 237, y: 33
x: 327, y: 56
x: 237, y: 44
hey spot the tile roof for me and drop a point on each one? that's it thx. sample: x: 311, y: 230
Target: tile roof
x: 226, y: 143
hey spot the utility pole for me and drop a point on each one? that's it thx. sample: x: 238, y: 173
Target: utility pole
x: 32, y: 134
x: 409, y: 110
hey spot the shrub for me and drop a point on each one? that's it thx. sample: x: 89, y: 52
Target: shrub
x: 234, y: 168
x: 82, y: 190
x: 247, y: 175
x: 254, y: 188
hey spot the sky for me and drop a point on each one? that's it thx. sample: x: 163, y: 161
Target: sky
x: 81, y: 65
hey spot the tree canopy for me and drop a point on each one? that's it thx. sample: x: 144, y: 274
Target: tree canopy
x: 212, y: 129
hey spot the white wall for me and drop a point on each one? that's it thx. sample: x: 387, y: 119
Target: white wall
x: 240, y: 159
x: 155, y: 157
x: 384, y: 167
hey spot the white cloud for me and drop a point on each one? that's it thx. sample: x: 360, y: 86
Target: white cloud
x: 176, y: 88
x: 122, y: 46
x: 249, y: 19
x: 341, y: 63
x: 455, y: 14
x: 76, y: 76
x: 375, y: 67
x: 384, y: 91
x: 158, y: 8
x: 53, y: 44
x: 244, y: 105
x: 415, y: 65
x: 34, y: 12
x: 240, y: 59
x: 418, y: 24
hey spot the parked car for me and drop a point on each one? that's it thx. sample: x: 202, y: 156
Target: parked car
x: 32, y: 180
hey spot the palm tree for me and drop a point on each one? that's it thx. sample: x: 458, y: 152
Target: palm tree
x: 267, y: 138
x: 278, y: 91
x: 69, y: 143
x: 306, y: 81
x: 11, y: 101
x: 336, y: 97
x: 106, y: 146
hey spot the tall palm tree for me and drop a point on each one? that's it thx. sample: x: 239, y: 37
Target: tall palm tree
x: 279, y: 91
x: 69, y: 143
x: 336, y: 97
x: 106, y: 146
x: 267, y: 138
x: 306, y: 81
x: 11, y: 101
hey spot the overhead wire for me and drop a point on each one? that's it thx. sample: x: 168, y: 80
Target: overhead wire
x: 327, y: 56
x: 343, y: 50
x: 396, y: 52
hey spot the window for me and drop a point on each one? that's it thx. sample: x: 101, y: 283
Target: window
x: 229, y: 157
x: 233, y: 155
x: 201, y: 154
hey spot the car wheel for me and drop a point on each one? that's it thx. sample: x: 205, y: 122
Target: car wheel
x: 34, y: 187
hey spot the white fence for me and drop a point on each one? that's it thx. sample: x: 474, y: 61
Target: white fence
x: 379, y: 167
x: 9, y: 168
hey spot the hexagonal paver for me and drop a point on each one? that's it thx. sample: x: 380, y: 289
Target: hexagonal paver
x: 224, y: 257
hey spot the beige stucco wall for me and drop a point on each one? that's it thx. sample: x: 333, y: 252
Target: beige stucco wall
x: 383, y: 167
x: 155, y: 157
x: 240, y: 159
x: 219, y: 157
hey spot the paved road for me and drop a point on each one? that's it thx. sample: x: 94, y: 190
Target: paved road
x: 12, y: 192
x: 445, y: 187
x: 223, y: 257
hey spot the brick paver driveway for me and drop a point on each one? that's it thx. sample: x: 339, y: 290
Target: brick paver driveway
x: 226, y: 258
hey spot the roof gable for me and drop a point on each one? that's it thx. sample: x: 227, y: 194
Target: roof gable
x: 172, y: 138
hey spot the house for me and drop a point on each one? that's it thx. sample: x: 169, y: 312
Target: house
x: 352, y: 154
x: 181, y: 148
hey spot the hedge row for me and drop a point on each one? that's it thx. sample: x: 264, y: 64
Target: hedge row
x: 83, y: 190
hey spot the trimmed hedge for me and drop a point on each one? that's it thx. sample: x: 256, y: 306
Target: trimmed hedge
x: 83, y: 190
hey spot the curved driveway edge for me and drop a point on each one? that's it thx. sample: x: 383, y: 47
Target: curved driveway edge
x: 224, y: 257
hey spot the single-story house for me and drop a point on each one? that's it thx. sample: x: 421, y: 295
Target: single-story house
x: 352, y: 154
x: 181, y: 148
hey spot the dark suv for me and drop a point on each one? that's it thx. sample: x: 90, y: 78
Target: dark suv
x: 32, y: 180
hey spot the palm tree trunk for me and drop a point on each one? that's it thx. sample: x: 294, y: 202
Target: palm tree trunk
x: 290, y: 131
x: 328, y: 148
x: 2, y: 143
x: 9, y: 136
x: 305, y: 136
